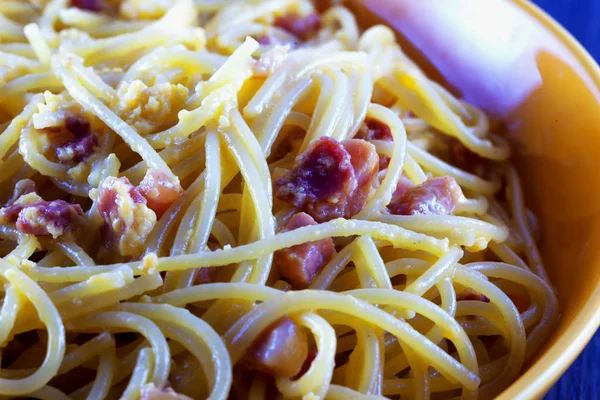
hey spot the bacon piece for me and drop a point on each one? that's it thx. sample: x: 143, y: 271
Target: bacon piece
x: 373, y: 129
x: 330, y: 179
x: 44, y: 218
x: 78, y: 126
x: 280, y: 350
x: 11, y: 213
x: 151, y: 392
x: 301, y: 263
x: 301, y: 26
x: 78, y: 149
x: 322, y: 177
x: 402, y: 187
x: 83, y: 144
x: 108, y: 196
x: 440, y: 195
x: 124, y: 210
x: 88, y: 5
x: 159, y: 190
x: 472, y: 295
x: 365, y: 162
x: 384, y: 162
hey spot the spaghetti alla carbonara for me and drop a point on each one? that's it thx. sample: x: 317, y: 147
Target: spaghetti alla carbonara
x: 251, y: 200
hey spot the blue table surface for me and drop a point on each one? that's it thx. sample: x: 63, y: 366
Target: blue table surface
x: 582, y: 19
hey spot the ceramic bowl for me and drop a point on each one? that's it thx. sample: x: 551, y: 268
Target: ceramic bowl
x: 518, y: 64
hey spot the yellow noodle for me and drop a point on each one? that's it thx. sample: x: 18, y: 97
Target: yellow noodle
x: 104, y: 376
x: 127, y: 321
x: 383, y: 195
x: 40, y: 47
x: 222, y: 98
x: 48, y: 393
x: 56, y: 333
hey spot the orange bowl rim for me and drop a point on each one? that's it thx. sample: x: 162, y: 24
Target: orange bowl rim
x: 540, y: 377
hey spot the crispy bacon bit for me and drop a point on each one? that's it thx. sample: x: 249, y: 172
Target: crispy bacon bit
x: 374, y: 129
x: 365, y: 162
x: 108, y: 205
x: 303, y: 27
x: 23, y: 187
x: 78, y: 126
x: 151, y: 392
x: 439, y: 196
x: 301, y: 263
x: 384, y: 162
x: 81, y: 146
x: 330, y: 179
x: 125, y: 211
x: 280, y: 350
x: 472, y: 295
x: 78, y: 149
x: 44, y: 218
x: 11, y: 213
x: 322, y: 175
x: 160, y: 190
x: 402, y: 187
x: 88, y: 5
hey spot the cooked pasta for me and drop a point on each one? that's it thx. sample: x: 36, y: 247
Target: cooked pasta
x: 251, y: 199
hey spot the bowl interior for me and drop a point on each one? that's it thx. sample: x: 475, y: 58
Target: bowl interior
x: 515, y: 62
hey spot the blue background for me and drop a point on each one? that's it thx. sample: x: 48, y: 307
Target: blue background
x: 582, y: 19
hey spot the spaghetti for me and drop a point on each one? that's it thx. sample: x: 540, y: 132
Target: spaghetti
x: 251, y: 199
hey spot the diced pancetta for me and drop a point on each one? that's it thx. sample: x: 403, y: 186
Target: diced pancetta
x: 330, y: 179
x: 44, y: 218
x: 83, y: 144
x: 159, y: 190
x: 373, y: 129
x: 88, y: 5
x: 280, y: 350
x: 301, y: 263
x: 124, y: 210
x: 440, y: 195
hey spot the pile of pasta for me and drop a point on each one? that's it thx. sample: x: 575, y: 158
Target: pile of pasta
x: 143, y: 222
